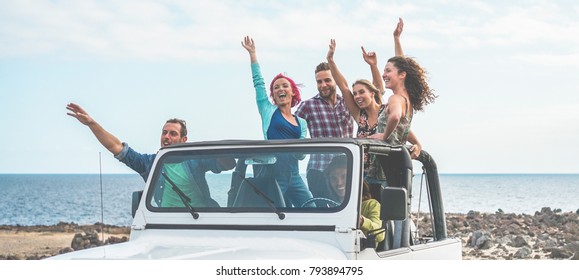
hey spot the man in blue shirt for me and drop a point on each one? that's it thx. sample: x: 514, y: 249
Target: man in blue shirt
x: 174, y: 131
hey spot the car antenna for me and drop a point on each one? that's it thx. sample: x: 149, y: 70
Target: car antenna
x: 102, y: 207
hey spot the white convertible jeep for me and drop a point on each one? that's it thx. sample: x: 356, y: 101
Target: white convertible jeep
x: 244, y: 211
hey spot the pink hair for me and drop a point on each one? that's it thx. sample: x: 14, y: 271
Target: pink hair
x: 296, y: 98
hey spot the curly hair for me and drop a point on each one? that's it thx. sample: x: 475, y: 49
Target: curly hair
x: 415, y: 83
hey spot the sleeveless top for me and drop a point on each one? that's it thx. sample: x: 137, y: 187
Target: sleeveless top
x: 364, y: 129
x: 398, y: 137
x: 280, y: 128
x: 400, y: 134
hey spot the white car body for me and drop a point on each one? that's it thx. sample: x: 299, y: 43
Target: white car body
x: 245, y: 233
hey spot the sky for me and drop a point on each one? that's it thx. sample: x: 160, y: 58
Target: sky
x: 505, y: 72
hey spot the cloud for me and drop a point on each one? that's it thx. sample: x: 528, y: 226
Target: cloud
x: 209, y: 31
x: 177, y: 29
x: 478, y: 25
x: 550, y: 59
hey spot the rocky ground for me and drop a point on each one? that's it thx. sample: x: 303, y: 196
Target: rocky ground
x: 548, y: 234
x: 39, y: 242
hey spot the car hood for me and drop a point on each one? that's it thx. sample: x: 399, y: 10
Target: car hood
x: 210, y: 248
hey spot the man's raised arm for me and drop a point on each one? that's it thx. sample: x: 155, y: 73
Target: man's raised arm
x: 109, y: 141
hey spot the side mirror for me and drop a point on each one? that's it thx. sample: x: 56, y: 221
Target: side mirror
x: 135, y: 202
x: 393, y: 204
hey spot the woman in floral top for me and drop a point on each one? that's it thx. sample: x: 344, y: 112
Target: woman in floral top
x: 364, y: 101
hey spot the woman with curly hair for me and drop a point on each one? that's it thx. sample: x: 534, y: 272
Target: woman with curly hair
x: 410, y: 93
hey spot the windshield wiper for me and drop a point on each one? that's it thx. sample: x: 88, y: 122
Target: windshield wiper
x: 266, y: 198
x: 186, y: 200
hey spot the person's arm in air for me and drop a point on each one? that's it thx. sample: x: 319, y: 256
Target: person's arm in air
x: 258, y: 82
x: 109, y: 141
x: 341, y: 83
x: 397, y: 32
x: 372, y: 60
x: 264, y: 106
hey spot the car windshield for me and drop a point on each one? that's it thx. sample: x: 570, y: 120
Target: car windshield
x: 252, y: 180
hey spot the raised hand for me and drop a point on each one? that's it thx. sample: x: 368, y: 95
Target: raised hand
x: 79, y: 113
x: 248, y: 44
x: 369, y: 57
x: 331, y: 49
x: 109, y: 141
x: 399, y: 28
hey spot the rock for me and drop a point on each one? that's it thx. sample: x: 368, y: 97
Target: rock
x: 560, y: 253
x: 481, y: 240
x: 572, y: 248
x: 504, y: 240
x: 520, y: 241
x: 84, y: 241
x: 472, y: 214
x: 572, y: 228
x: 546, y: 244
x: 65, y: 250
x: 114, y: 239
x: 545, y: 210
x: 523, y: 253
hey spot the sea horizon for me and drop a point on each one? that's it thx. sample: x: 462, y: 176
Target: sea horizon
x: 50, y: 198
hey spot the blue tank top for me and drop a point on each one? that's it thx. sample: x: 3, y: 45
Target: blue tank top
x: 280, y: 128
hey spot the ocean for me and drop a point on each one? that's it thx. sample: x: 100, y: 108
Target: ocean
x: 47, y: 199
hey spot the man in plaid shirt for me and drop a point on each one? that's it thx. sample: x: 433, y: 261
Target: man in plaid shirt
x: 327, y: 116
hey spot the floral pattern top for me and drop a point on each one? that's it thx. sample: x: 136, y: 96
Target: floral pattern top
x: 364, y: 129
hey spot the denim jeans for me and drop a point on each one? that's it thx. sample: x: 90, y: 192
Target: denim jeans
x: 294, y: 189
x: 286, y: 173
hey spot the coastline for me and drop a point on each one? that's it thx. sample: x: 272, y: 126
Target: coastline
x: 40, y: 242
x: 547, y: 234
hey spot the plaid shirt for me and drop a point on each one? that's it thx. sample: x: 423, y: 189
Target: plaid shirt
x: 325, y: 121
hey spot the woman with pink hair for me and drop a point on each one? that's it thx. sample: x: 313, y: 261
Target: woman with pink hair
x: 278, y: 122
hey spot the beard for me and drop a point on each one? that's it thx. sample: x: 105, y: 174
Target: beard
x: 330, y: 92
